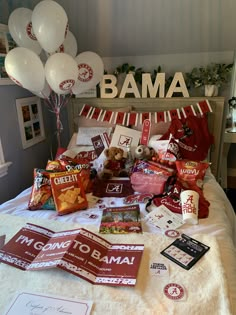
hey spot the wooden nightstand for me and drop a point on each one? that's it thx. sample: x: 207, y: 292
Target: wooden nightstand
x: 229, y: 137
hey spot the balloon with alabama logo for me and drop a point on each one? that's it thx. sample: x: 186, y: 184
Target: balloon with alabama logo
x: 20, y: 28
x: 61, y: 72
x: 69, y: 45
x: 90, y: 71
x: 50, y: 24
x: 25, y: 68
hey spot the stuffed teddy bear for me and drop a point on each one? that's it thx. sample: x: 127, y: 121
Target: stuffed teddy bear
x: 143, y: 152
x: 114, y: 165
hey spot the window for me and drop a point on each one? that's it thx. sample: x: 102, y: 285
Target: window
x: 3, y: 165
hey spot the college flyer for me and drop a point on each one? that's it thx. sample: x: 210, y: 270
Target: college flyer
x: 78, y: 251
x: 121, y: 220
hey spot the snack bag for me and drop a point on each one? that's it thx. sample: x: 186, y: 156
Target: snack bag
x: 68, y: 192
x: 53, y: 165
x: 41, y: 194
x: 83, y: 166
x: 191, y: 173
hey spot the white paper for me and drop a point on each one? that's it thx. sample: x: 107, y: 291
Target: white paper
x: 164, y: 219
x: 124, y: 137
x: 26, y: 303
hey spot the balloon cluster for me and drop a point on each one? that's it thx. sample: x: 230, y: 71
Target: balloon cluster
x: 46, y: 29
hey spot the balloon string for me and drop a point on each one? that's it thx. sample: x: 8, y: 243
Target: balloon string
x: 55, y: 102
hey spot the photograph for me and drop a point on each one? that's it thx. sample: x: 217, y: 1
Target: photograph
x: 26, y: 113
x: 30, y: 119
x: 6, y: 44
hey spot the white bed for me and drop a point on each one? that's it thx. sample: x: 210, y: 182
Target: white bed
x: 210, y: 285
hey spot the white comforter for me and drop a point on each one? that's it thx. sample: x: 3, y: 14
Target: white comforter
x: 210, y: 285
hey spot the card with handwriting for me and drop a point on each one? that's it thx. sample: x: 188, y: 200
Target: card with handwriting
x: 35, y: 303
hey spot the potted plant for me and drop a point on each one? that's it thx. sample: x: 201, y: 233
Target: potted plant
x: 211, y: 77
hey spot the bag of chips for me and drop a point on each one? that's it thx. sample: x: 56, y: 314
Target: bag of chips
x: 41, y: 193
x: 68, y: 192
x: 191, y: 173
x: 83, y: 166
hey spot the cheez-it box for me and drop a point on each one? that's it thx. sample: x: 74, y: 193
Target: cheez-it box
x: 68, y: 192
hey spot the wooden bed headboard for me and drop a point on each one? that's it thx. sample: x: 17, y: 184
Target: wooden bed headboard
x: 216, y: 118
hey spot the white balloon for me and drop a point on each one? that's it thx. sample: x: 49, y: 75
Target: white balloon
x: 90, y: 71
x: 25, y: 68
x: 20, y: 28
x: 50, y: 24
x: 70, y: 45
x: 61, y: 72
x: 45, y: 93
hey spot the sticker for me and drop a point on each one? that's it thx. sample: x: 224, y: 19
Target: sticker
x: 159, y: 269
x: 172, y: 233
x: 174, y: 291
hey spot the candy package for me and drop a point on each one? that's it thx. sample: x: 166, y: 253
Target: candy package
x: 148, y: 183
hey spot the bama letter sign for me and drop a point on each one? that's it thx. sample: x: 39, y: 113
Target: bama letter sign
x: 108, y: 86
x: 79, y: 252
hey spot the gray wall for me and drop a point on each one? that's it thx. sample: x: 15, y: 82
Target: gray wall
x: 20, y: 173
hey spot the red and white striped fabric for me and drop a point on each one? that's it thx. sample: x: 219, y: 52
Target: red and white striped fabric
x: 132, y: 119
x: 160, y: 117
x: 188, y: 111
x: 204, y: 107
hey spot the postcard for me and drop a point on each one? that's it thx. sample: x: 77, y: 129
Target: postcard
x: 121, y: 220
x: 100, y: 143
x: 29, y: 303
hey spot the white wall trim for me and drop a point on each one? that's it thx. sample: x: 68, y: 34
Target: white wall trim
x: 4, y: 168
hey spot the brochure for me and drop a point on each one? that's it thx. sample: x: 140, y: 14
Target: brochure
x: 78, y: 251
x: 2, y: 240
x: 29, y: 303
x: 121, y: 220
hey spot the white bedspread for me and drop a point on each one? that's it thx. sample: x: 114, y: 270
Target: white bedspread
x: 221, y: 221
x: 205, y: 284
x: 210, y: 284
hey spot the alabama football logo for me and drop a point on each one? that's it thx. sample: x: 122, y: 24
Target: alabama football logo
x: 85, y: 72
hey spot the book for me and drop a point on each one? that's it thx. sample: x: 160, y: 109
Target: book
x: 79, y: 251
x: 121, y: 220
x: 185, y: 251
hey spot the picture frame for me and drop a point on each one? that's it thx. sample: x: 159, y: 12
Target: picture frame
x: 30, y: 118
x: 6, y: 44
